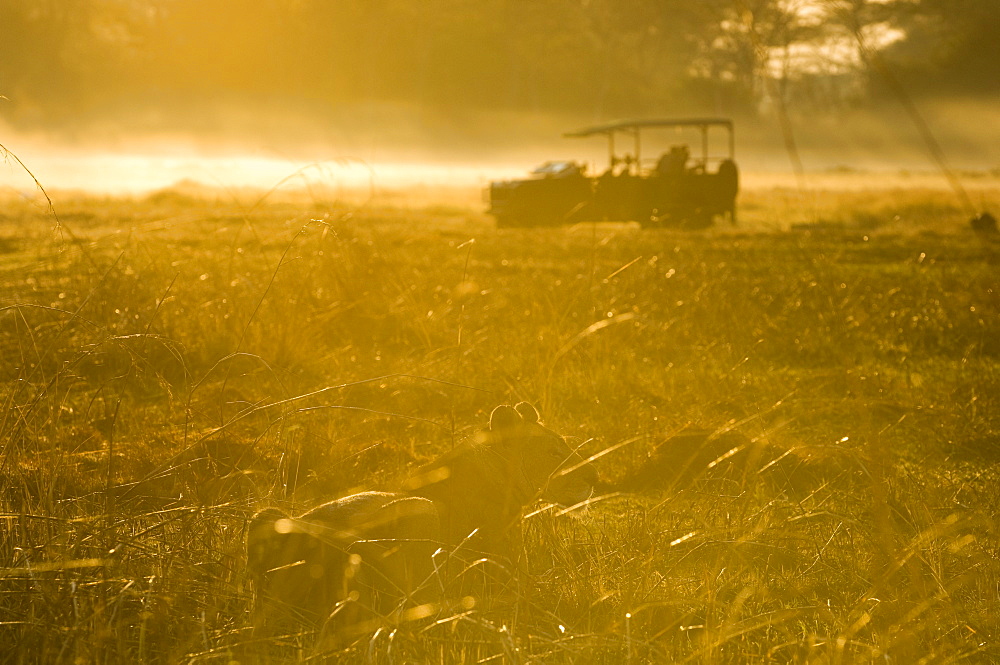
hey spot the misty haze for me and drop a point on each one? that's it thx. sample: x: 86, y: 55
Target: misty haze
x: 92, y: 88
x: 567, y: 331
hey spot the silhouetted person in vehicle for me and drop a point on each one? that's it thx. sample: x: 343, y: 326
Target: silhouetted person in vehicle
x: 674, y: 163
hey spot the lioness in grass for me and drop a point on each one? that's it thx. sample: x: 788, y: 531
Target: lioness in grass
x: 378, y: 554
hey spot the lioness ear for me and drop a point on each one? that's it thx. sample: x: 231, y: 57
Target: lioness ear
x: 504, y: 417
x: 527, y: 412
x: 264, y: 521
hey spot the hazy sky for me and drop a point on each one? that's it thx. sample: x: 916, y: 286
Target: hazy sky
x: 135, y: 94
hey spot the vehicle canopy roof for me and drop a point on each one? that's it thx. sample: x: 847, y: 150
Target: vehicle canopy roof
x: 635, y: 125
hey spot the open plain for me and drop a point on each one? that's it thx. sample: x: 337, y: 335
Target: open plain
x: 173, y: 363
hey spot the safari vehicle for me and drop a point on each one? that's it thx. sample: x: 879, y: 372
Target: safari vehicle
x: 672, y: 189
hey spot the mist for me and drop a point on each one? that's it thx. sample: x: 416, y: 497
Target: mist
x: 127, y: 97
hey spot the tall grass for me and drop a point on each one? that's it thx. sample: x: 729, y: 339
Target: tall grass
x: 188, y: 362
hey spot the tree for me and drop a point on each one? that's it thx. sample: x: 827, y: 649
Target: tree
x: 947, y: 46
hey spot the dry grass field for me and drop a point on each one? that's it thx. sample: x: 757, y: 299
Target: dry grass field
x: 169, y: 365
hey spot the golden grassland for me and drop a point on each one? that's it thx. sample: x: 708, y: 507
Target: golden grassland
x: 169, y: 365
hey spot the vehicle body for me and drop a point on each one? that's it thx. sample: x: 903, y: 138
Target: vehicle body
x: 673, y: 189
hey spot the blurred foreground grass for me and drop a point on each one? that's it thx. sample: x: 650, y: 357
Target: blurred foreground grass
x: 170, y: 365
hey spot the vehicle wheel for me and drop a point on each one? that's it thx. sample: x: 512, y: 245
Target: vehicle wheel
x: 697, y: 220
